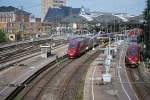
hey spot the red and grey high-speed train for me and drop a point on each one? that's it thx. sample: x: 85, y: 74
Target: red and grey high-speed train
x: 132, y: 55
x: 77, y: 46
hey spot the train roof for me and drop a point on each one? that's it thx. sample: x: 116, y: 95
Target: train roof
x: 133, y: 46
x: 78, y: 39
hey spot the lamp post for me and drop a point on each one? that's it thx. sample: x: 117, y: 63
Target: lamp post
x: 93, y: 40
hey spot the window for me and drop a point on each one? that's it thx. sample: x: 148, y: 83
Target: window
x: 132, y: 52
x: 72, y: 46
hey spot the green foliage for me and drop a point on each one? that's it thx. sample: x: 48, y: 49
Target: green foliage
x: 147, y: 12
x: 2, y: 36
x: 147, y: 29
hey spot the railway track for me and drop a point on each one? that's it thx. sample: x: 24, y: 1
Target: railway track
x: 141, y: 87
x: 10, y: 50
x: 21, y: 43
x: 22, y: 51
x: 19, y: 54
x: 70, y: 89
x: 58, y: 81
x: 16, y: 47
x: 33, y: 92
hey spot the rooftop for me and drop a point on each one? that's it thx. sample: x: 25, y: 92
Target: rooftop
x: 13, y: 9
x: 56, y: 14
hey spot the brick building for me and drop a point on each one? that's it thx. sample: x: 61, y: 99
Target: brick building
x: 12, y: 18
x: 39, y: 27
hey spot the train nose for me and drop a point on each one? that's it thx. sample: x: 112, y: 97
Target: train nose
x: 133, y: 59
x: 72, y: 52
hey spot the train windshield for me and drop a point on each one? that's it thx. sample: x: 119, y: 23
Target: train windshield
x: 132, y: 52
x: 72, y: 46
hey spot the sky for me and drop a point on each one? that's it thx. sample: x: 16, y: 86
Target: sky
x: 132, y: 7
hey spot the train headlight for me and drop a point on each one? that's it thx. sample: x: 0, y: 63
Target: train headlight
x: 129, y: 58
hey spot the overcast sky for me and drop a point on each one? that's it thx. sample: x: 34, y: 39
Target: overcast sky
x: 133, y: 7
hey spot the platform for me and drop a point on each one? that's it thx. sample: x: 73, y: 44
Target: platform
x: 18, y: 73
x: 118, y: 89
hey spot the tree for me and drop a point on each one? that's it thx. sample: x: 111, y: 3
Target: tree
x: 2, y: 36
x: 147, y: 28
x: 147, y: 11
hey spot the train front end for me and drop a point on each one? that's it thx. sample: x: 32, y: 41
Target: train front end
x: 133, y: 55
x: 72, y: 50
x: 133, y: 60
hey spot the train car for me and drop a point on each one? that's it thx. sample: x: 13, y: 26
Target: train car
x: 132, y: 55
x: 93, y: 41
x: 77, y: 46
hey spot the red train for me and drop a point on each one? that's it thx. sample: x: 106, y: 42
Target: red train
x: 77, y: 46
x: 132, y: 55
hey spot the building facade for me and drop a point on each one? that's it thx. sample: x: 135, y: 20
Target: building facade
x: 46, y: 4
x: 41, y: 28
x: 11, y: 17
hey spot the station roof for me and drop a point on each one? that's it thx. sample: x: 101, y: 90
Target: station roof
x: 107, y: 19
x: 136, y: 19
x: 74, y: 19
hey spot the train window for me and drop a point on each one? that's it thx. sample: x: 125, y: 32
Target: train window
x: 132, y: 52
x: 72, y: 46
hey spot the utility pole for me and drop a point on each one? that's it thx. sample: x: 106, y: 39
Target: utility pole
x: 114, y: 23
x: 107, y: 76
x: 21, y: 28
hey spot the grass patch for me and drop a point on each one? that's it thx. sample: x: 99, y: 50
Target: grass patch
x: 18, y: 97
x: 80, y: 91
